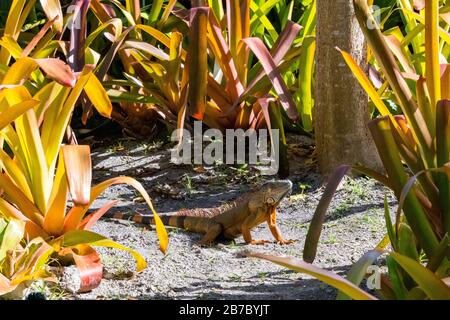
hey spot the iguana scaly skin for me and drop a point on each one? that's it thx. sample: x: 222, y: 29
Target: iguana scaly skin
x: 230, y: 220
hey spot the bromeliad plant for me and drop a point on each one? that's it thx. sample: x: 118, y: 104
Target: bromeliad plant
x: 415, y: 150
x: 153, y: 51
x: 20, y: 263
x: 228, y: 85
x: 40, y: 174
x: 216, y: 79
x: 154, y: 48
x: 215, y: 73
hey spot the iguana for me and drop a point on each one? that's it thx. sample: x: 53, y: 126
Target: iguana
x: 230, y: 220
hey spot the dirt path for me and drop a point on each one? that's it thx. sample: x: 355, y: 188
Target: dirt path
x: 354, y: 225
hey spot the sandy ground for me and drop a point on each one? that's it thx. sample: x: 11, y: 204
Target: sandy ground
x: 354, y: 225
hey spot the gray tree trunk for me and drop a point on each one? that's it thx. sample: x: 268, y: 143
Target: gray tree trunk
x: 341, y: 110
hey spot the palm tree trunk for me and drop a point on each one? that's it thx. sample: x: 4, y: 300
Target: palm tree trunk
x: 341, y: 111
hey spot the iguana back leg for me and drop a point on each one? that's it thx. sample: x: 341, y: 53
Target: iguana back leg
x: 272, y: 222
x: 212, y: 232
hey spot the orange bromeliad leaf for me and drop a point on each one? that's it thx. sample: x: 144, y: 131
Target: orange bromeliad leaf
x: 219, y: 47
x: 198, y: 62
x: 10, y: 212
x: 55, y: 69
x: 54, y: 218
x: 91, y: 219
x: 238, y: 28
x: 5, y: 285
x: 23, y: 203
x: 76, y: 214
x: 77, y: 161
x: 88, y: 263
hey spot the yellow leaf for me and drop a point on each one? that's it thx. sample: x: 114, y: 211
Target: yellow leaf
x: 61, y: 117
x: 98, y: 96
x: 54, y: 217
x: 20, y: 71
x: 11, y: 27
x: 365, y: 83
x: 10, y: 44
x: 11, y: 236
x: 15, y: 173
x: 16, y: 196
x: 77, y: 237
x: 15, y: 111
x: 432, y: 51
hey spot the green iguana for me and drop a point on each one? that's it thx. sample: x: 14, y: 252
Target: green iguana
x: 230, y: 220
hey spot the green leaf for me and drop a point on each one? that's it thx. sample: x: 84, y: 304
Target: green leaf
x: 315, y: 227
x: 12, y: 235
x: 434, y: 287
x: 396, y: 278
x: 443, y: 157
x: 406, y: 242
x: 305, y: 91
x: 382, y: 133
x: 389, y: 225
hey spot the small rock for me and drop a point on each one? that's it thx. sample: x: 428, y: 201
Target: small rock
x: 70, y: 279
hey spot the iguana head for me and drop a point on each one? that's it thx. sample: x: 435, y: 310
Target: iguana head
x: 269, y: 195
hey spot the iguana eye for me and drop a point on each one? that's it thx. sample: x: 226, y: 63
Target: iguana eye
x: 270, y: 201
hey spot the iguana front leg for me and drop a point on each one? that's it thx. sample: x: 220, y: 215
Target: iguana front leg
x: 272, y: 222
x: 248, y: 223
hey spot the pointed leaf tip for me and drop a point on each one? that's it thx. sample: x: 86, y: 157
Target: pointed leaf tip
x: 57, y: 70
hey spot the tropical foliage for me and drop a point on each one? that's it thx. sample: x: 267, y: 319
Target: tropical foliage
x: 37, y: 99
x: 144, y: 54
x: 20, y: 263
x: 152, y: 65
x: 415, y: 150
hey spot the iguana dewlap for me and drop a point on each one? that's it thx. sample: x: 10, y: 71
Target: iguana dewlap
x: 230, y: 220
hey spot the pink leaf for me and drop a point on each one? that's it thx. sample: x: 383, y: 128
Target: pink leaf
x: 284, y: 95
x: 58, y: 71
x: 91, y: 219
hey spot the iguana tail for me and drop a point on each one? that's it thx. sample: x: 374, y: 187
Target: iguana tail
x: 175, y: 221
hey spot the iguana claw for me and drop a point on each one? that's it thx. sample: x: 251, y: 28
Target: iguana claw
x: 283, y: 242
x: 259, y: 242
